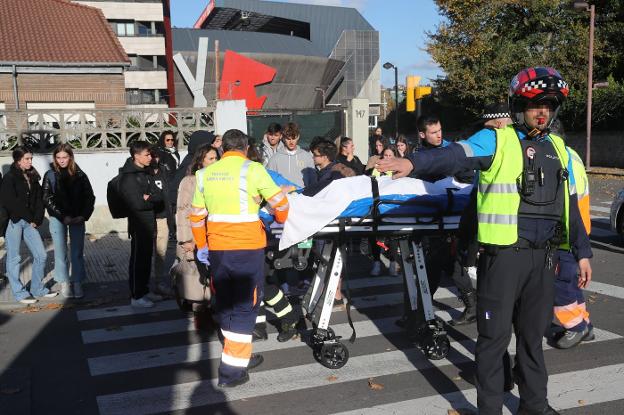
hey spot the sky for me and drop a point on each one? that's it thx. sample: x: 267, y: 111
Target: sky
x: 401, y: 24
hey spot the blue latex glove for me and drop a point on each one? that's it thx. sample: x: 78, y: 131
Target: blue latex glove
x: 202, y: 255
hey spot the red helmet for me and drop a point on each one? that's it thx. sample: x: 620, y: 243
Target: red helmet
x: 536, y: 85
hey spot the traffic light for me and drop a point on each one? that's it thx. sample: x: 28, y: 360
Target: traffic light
x: 422, y: 91
x: 410, y: 95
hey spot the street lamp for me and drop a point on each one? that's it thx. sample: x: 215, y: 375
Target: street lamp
x: 388, y: 65
x: 584, y: 6
x: 322, y: 91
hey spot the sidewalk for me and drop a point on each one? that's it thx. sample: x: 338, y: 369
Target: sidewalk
x: 106, y: 260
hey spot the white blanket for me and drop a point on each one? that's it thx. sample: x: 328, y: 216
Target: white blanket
x: 307, y: 215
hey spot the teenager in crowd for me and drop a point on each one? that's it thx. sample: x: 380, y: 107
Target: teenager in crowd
x: 69, y: 200
x: 22, y: 197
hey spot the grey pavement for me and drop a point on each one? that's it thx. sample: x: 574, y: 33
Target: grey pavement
x: 102, y: 357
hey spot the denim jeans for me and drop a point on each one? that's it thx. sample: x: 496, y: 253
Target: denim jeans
x: 12, y: 240
x: 76, y: 244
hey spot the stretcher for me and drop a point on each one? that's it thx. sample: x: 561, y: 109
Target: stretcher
x: 407, y: 220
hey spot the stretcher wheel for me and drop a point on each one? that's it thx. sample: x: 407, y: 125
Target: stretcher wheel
x: 332, y: 355
x: 436, y: 347
x: 300, y: 264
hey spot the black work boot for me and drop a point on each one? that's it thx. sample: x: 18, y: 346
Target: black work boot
x: 259, y: 333
x: 469, y: 315
x: 254, y: 361
x: 288, y: 331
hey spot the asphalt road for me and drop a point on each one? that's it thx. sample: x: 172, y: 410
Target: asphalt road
x: 112, y: 360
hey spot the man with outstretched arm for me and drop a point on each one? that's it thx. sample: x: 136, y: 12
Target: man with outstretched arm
x: 526, y: 212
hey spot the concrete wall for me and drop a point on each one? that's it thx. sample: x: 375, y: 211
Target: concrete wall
x: 144, y: 12
x: 143, y: 45
x: 146, y: 79
x: 607, y: 148
x: 100, y: 166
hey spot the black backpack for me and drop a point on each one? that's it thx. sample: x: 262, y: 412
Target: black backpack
x: 116, y: 203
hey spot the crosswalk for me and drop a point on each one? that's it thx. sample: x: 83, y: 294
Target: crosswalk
x: 153, y: 361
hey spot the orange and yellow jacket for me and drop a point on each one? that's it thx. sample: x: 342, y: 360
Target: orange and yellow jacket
x: 228, y: 193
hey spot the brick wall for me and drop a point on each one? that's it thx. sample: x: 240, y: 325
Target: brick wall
x: 105, y: 90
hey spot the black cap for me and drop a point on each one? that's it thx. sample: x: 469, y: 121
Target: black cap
x: 494, y: 111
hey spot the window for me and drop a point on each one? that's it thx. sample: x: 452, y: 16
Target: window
x: 144, y: 28
x: 123, y: 28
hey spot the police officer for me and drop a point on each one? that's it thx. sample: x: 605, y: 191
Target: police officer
x: 525, y: 210
x: 495, y: 116
x: 225, y: 219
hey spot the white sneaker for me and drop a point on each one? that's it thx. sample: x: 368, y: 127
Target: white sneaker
x: 78, y: 293
x: 153, y: 297
x: 376, y: 270
x: 51, y: 294
x: 392, y: 269
x: 66, y: 290
x: 142, y: 302
x: 28, y: 300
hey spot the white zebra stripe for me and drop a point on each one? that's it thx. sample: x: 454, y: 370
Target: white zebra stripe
x: 565, y: 391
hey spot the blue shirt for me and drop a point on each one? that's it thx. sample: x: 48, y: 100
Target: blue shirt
x: 477, y: 153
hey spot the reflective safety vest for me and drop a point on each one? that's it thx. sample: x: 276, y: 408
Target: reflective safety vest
x: 581, y: 188
x: 498, y: 198
x: 227, y: 200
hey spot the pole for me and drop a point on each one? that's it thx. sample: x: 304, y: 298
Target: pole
x: 590, y: 84
x: 396, y: 102
x: 216, y: 48
x: 15, y: 88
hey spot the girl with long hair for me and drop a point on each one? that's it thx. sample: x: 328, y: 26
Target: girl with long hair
x: 21, y: 196
x: 69, y: 200
x: 402, y: 146
x: 347, y: 157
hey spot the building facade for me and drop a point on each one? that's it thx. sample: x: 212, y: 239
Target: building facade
x: 320, y: 55
x: 45, y: 66
x: 143, y: 28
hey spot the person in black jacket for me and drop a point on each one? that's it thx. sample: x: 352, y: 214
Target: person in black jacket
x: 161, y: 179
x: 69, y: 200
x: 21, y: 196
x: 347, y: 157
x: 324, y: 156
x: 140, y: 194
x: 168, y: 152
x: 169, y: 161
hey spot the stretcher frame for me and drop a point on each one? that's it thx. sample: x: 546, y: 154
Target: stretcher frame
x: 409, y: 230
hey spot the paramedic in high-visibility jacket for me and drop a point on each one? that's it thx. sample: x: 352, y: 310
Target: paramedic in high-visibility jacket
x: 526, y: 212
x: 570, y: 310
x: 231, y: 239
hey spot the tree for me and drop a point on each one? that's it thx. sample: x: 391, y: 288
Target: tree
x: 481, y: 45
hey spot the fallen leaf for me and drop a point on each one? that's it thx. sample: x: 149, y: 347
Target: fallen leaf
x: 332, y: 378
x: 452, y: 412
x: 581, y: 402
x: 374, y: 386
x: 10, y: 391
x: 30, y: 309
x: 53, y: 306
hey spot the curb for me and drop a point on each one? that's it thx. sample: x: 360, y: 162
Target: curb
x: 611, y: 171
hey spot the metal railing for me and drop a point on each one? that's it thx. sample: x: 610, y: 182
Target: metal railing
x: 99, y: 129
